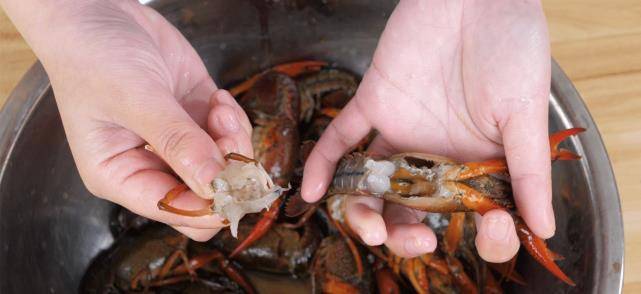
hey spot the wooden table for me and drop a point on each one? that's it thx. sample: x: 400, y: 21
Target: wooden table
x: 597, y: 43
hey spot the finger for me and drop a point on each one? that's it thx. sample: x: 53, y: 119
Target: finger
x: 177, y: 139
x: 527, y: 150
x: 222, y: 97
x: 199, y: 235
x: 380, y: 146
x: 136, y: 179
x: 226, y: 130
x: 407, y: 236
x: 364, y: 218
x: 344, y: 132
x: 496, y: 240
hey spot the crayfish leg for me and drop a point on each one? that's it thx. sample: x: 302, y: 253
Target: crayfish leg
x: 491, y: 284
x: 537, y: 248
x: 385, y: 281
x: 435, y: 263
x: 416, y: 273
x: 454, y: 232
x: 239, y: 157
x: 234, y: 273
x: 165, y: 270
x: 260, y: 229
x: 165, y: 203
x: 301, y: 220
x: 507, y: 271
x: 461, y: 278
x: 227, y: 267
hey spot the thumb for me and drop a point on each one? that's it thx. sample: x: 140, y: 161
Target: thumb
x: 343, y: 133
x: 178, y: 140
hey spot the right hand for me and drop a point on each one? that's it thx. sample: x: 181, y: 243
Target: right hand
x: 465, y: 80
x: 124, y: 76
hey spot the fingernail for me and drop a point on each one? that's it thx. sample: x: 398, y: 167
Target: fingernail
x: 229, y: 122
x: 416, y: 246
x: 498, y: 228
x: 548, y: 222
x: 371, y: 237
x: 206, y: 173
x: 309, y: 192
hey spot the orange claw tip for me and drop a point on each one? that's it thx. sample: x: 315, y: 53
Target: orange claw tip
x: 559, y: 136
x: 537, y: 248
x: 564, y: 154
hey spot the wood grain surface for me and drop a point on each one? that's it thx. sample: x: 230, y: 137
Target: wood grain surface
x: 597, y: 43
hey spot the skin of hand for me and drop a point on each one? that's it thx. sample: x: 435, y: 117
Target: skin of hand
x: 468, y: 80
x: 123, y: 76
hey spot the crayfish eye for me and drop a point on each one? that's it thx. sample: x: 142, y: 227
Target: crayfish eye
x: 419, y: 162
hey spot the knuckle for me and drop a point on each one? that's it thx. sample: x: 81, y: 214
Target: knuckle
x: 174, y: 140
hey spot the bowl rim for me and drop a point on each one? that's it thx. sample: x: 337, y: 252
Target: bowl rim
x: 598, y: 171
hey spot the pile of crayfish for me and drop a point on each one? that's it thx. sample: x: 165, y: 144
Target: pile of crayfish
x: 289, y: 106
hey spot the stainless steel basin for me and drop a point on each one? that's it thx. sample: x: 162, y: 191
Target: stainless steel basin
x: 51, y: 227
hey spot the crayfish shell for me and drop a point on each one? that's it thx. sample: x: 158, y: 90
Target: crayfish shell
x: 243, y: 188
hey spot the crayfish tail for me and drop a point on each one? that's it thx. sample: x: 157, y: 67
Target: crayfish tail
x: 537, y: 248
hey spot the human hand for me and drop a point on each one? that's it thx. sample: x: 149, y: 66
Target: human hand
x: 467, y: 80
x: 123, y: 76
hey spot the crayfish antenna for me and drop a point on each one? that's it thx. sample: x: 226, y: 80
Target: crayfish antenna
x: 557, y: 138
x: 537, y: 248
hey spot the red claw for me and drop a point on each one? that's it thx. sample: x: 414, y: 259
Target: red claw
x: 261, y: 228
x: 555, y: 140
x: 537, y: 248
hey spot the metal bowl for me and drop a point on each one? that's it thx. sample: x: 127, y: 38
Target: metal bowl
x: 51, y: 227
